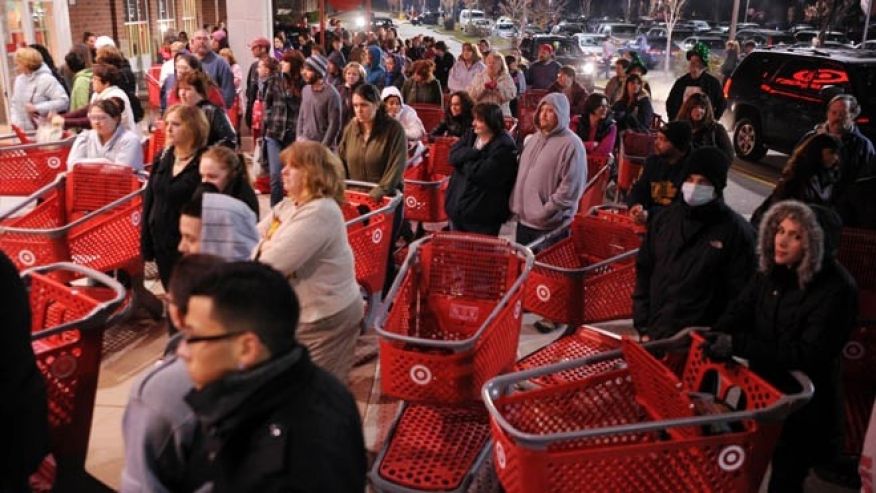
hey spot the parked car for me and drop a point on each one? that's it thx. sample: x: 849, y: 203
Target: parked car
x: 590, y: 44
x: 870, y: 44
x: 765, y: 38
x: 677, y: 32
x: 467, y: 15
x: 835, y: 36
x: 775, y: 96
x: 385, y: 22
x: 569, y: 28
x: 655, y: 53
x: 505, y: 28
x: 566, y: 52
x: 426, y: 18
x: 716, y: 45
x: 617, y: 30
x: 700, y: 26
x: 480, y: 28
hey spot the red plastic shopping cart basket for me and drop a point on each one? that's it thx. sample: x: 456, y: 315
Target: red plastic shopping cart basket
x: 586, y: 341
x: 155, y: 145
x: 430, y: 114
x: 67, y: 325
x: 589, y: 276
x: 89, y: 215
x: 369, y: 231
x: 439, y: 155
x: 425, y: 194
x: 640, y: 427
x: 27, y: 167
x: 434, y: 449
x: 452, y: 318
x: 153, y: 86
x: 598, y: 174
x: 634, y: 149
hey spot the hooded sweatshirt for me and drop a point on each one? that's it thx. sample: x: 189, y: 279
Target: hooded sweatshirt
x: 553, y: 171
x: 228, y: 227
x: 376, y: 74
x: 414, y: 129
x: 40, y: 88
x: 81, y: 88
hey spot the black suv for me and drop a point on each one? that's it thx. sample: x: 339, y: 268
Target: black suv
x: 775, y: 96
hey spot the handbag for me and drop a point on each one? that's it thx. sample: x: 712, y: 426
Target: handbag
x: 258, y: 114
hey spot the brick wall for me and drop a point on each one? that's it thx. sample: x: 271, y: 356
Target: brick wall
x: 94, y: 16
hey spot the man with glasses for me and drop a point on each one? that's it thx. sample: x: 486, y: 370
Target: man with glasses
x: 214, y: 65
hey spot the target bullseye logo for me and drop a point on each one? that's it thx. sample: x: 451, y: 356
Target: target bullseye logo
x: 135, y: 218
x: 500, y: 456
x: 410, y: 202
x: 421, y: 375
x: 376, y: 236
x: 854, y: 350
x: 26, y: 257
x: 54, y: 162
x: 64, y: 366
x: 543, y: 293
x: 731, y: 458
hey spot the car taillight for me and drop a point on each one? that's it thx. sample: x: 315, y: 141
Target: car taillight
x: 727, y: 85
x: 863, y: 120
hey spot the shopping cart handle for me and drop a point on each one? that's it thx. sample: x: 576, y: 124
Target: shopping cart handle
x: 99, y: 314
x: 394, y: 202
x: 607, y: 207
x: 562, y: 229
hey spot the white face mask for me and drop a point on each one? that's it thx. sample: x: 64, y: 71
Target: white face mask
x: 696, y: 194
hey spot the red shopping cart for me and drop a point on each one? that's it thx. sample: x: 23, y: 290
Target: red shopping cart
x: 89, y: 215
x: 452, y: 317
x: 599, y: 173
x: 430, y: 114
x: 586, y: 341
x: 26, y: 167
x: 639, y: 427
x: 857, y: 252
x: 527, y: 104
x: 425, y: 193
x: 634, y: 149
x: 153, y: 86
x: 589, y: 276
x: 67, y: 325
x: 155, y: 145
x: 369, y: 231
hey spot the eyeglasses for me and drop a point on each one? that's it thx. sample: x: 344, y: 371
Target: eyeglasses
x: 98, y: 118
x: 191, y: 339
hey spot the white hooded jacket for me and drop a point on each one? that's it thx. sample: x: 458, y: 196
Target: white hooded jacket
x: 42, y: 90
x: 410, y: 121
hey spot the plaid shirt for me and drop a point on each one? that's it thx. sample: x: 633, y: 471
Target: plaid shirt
x: 281, y: 109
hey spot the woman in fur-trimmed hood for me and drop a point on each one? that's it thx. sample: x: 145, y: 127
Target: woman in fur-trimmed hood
x: 795, y: 314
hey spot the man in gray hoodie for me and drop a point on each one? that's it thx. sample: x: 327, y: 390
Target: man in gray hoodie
x: 552, y: 173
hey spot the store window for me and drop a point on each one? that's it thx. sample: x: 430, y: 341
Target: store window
x: 137, y: 26
x: 189, y: 17
x: 165, y: 20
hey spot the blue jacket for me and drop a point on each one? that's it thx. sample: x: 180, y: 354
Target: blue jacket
x: 376, y: 74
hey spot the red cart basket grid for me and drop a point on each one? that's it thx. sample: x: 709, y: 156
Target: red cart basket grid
x: 634, y: 149
x: 26, y: 167
x: 640, y: 427
x: 586, y: 341
x: 589, y: 276
x: 67, y: 336
x: 425, y: 188
x: 89, y: 215
x: 598, y: 173
x: 430, y: 114
x: 452, y: 318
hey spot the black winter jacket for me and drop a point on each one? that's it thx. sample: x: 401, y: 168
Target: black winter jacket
x: 221, y: 131
x: 693, y: 261
x: 707, y: 83
x: 24, y: 423
x: 285, y: 426
x: 857, y: 157
x: 482, y: 180
x: 453, y: 126
x: 779, y: 327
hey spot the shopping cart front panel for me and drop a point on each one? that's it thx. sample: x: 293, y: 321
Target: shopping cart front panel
x: 369, y: 231
x: 28, y: 167
x: 584, y: 342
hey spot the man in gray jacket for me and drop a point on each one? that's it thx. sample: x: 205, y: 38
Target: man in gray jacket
x: 214, y: 66
x: 552, y: 173
x: 319, y: 116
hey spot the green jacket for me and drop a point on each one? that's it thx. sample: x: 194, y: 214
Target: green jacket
x: 380, y: 160
x: 423, y: 93
x: 81, y: 92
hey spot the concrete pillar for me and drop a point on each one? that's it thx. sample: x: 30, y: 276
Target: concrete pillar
x: 248, y: 20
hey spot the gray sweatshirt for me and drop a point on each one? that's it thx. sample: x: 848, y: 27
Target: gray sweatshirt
x: 228, y: 227
x: 552, y: 172
x: 319, y: 117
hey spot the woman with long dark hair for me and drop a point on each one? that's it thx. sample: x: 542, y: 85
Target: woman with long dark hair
x: 596, y: 127
x: 697, y: 109
x: 634, y: 111
x: 192, y: 89
x: 457, y: 116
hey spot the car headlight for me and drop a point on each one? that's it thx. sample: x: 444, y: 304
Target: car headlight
x: 588, y: 68
x: 360, y: 21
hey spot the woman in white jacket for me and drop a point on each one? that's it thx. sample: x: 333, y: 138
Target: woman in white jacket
x: 407, y: 116
x: 107, y: 140
x: 36, y: 92
x: 465, y: 69
x: 494, y: 85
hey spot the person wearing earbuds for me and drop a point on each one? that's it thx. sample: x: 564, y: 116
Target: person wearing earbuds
x: 697, y: 255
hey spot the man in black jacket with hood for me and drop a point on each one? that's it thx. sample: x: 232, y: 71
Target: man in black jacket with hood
x: 697, y: 255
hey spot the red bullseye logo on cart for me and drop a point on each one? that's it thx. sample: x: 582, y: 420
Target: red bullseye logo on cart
x: 518, y: 309
x: 376, y: 236
x: 543, y: 293
x: 421, y: 375
x: 54, y: 162
x: 500, y: 456
x: 26, y: 257
x: 731, y: 458
x: 411, y: 202
x: 135, y: 218
x: 854, y: 351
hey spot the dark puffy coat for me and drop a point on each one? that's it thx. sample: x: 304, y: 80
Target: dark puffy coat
x: 636, y: 117
x: 221, y: 131
x: 24, y: 424
x: 857, y: 157
x: 693, y: 261
x: 453, y: 126
x: 442, y: 68
x: 798, y: 320
x: 482, y: 181
x: 714, y: 135
x: 284, y: 426
x: 707, y: 83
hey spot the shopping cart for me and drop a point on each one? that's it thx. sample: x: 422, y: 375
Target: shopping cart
x: 67, y: 323
x: 586, y: 341
x: 430, y: 114
x: 528, y: 103
x: 27, y: 166
x: 153, y: 86
x: 634, y: 149
x: 433, y: 448
x: 639, y: 426
x: 598, y: 173
x: 857, y: 252
x: 369, y: 231
x: 452, y: 317
x: 438, y: 155
x: 589, y: 276
x: 155, y: 145
x: 89, y: 215
x: 425, y: 192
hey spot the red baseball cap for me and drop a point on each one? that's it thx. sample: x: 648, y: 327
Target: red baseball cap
x: 260, y: 42
x: 546, y: 47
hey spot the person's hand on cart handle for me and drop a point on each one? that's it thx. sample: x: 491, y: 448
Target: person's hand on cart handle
x: 718, y: 346
x: 639, y: 214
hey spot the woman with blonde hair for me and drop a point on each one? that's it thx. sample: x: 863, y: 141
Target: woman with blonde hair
x: 305, y: 238
x: 172, y: 183
x: 36, y: 91
x: 353, y: 77
x: 494, y: 85
x: 466, y: 67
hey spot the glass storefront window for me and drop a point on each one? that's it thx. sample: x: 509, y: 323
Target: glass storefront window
x: 189, y: 17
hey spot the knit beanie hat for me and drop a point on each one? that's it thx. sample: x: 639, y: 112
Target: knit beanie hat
x: 710, y: 162
x: 317, y: 63
x: 679, y: 133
